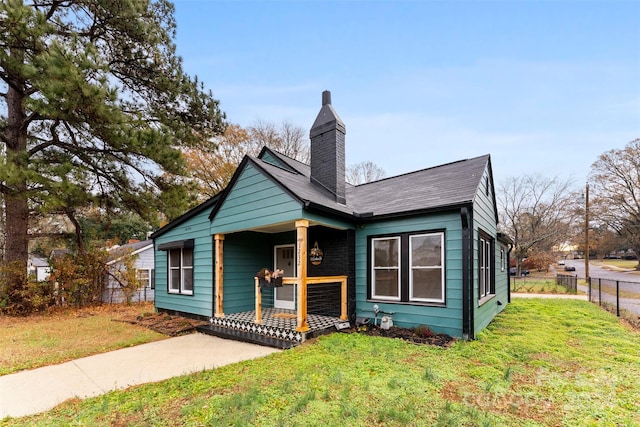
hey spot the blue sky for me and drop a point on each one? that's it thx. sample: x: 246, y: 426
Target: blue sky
x: 544, y: 87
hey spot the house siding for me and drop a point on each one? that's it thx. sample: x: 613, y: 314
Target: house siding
x: 485, y: 219
x: 255, y: 201
x: 271, y: 159
x: 444, y: 319
x: 201, y: 302
x: 245, y: 253
x: 113, y: 293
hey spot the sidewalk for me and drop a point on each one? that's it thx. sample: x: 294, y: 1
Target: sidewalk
x: 38, y: 390
x: 556, y: 296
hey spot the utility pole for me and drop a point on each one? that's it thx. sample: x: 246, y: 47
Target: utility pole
x: 586, y: 234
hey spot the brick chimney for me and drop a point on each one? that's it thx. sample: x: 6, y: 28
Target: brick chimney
x: 327, y: 150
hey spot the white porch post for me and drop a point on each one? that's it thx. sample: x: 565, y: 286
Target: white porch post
x: 301, y: 229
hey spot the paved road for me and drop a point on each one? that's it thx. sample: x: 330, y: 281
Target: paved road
x: 629, y: 283
x: 599, y: 272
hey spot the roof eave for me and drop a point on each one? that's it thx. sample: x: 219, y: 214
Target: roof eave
x: 371, y: 217
x: 247, y: 159
x: 184, y: 217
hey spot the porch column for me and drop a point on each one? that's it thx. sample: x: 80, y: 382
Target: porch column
x: 301, y: 229
x: 218, y: 274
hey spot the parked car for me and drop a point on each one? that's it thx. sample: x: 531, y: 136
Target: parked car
x: 523, y: 271
x: 569, y: 268
x: 561, y: 262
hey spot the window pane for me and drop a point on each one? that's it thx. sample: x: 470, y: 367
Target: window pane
x: 427, y: 283
x: 143, y: 277
x: 174, y: 258
x: 426, y: 251
x: 188, y: 280
x: 187, y: 257
x: 174, y: 283
x: 385, y: 252
x: 386, y: 283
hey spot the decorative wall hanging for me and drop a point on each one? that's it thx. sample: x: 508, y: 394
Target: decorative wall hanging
x: 315, y: 254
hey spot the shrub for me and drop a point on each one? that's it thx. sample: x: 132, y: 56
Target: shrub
x: 21, y: 294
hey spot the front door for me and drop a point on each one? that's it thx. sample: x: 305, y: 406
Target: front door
x: 284, y: 259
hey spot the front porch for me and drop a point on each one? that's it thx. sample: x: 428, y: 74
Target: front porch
x: 317, y: 290
x: 277, y: 328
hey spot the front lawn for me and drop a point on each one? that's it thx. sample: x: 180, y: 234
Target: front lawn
x: 625, y: 264
x: 540, y: 363
x: 47, y: 339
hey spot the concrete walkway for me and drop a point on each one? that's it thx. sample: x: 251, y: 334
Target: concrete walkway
x: 38, y: 390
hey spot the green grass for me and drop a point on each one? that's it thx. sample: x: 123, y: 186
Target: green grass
x: 540, y: 363
x: 537, y: 285
x: 620, y: 263
x: 40, y: 340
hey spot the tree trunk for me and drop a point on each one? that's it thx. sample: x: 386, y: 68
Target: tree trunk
x: 16, y: 199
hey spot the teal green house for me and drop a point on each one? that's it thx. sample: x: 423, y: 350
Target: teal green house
x: 416, y: 249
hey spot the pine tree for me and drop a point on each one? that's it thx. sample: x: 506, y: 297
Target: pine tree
x: 94, y: 109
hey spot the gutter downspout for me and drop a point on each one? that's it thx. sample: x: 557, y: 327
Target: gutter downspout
x: 466, y: 218
x: 508, y: 275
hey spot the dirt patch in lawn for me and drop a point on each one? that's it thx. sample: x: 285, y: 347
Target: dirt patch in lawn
x: 419, y: 335
x: 163, y: 323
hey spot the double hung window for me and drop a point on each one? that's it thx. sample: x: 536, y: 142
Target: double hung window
x: 144, y: 277
x: 408, y: 267
x: 386, y: 268
x: 426, y: 280
x: 181, y: 271
x: 486, y: 284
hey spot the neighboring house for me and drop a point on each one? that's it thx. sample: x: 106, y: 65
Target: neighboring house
x: 144, y: 265
x: 39, y: 268
x: 417, y: 249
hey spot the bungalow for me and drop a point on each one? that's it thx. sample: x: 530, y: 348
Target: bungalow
x: 142, y: 253
x: 416, y: 249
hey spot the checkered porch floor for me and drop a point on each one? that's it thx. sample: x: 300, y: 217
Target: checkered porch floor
x: 273, y: 326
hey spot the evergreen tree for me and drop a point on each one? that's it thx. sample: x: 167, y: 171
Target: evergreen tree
x: 94, y: 110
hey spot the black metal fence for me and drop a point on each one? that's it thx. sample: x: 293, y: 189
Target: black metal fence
x: 618, y: 295
x: 569, y: 281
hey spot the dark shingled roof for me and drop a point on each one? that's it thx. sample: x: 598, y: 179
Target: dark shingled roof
x: 452, y: 184
x: 448, y: 185
x: 440, y: 187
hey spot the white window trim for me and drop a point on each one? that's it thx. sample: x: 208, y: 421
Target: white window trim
x: 171, y: 288
x: 182, y: 289
x: 146, y: 284
x: 441, y: 267
x: 179, y: 290
x: 484, y: 259
x: 398, y: 268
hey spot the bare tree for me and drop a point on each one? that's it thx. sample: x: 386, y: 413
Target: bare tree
x: 363, y: 172
x: 288, y: 139
x: 616, y: 186
x: 211, y: 168
x: 536, y: 212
